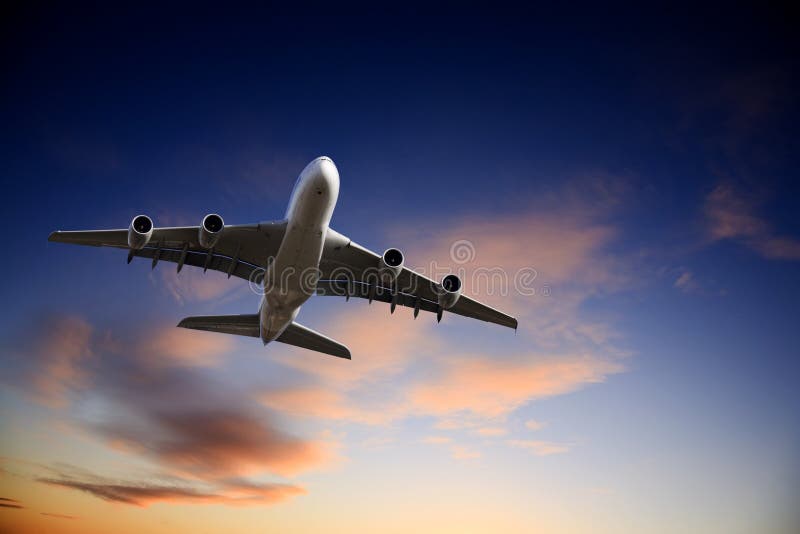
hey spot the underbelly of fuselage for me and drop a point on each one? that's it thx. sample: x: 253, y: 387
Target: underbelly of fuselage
x: 291, y: 277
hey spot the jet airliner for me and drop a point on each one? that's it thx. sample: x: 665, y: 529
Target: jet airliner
x: 291, y: 259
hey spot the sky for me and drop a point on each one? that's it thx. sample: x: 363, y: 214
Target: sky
x: 629, y: 178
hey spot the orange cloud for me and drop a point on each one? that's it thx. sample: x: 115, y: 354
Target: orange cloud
x: 731, y: 215
x: 493, y: 388
x: 208, y: 443
x: 144, y: 494
x: 323, y: 403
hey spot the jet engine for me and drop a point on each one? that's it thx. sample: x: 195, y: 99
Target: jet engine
x: 449, y: 291
x: 210, y: 230
x: 139, y: 232
x: 391, y: 263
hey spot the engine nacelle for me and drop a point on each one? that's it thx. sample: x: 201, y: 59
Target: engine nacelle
x: 140, y: 232
x: 449, y: 291
x: 210, y: 230
x: 391, y: 263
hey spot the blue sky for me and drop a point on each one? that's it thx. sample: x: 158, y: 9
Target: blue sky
x: 644, y: 164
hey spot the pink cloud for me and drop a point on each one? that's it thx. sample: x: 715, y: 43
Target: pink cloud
x: 175, y: 346
x: 193, y: 285
x: 492, y: 388
x: 533, y: 424
x: 60, y: 358
x: 567, y: 350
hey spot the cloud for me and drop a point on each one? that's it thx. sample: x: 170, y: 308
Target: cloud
x: 5, y: 502
x: 156, y: 398
x: 731, y: 215
x: 460, y: 452
x: 144, y: 494
x: 52, y: 361
x: 402, y: 369
x: 222, y: 442
x: 367, y: 329
x: 152, y: 399
x: 436, y: 440
x: 491, y: 431
x: 686, y: 282
x: 540, y: 448
x: 170, y: 346
x: 194, y: 285
x: 493, y: 388
x: 58, y: 516
x: 534, y: 425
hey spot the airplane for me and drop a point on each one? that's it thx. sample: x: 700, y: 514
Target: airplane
x: 291, y: 259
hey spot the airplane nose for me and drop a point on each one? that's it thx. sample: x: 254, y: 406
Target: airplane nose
x: 324, y: 170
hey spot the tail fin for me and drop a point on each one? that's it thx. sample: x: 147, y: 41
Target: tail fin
x: 248, y: 325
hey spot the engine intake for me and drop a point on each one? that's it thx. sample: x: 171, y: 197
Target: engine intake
x: 450, y: 291
x: 391, y: 263
x: 140, y: 232
x: 210, y: 230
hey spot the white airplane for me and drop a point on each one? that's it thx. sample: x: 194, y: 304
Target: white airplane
x: 291, y: 259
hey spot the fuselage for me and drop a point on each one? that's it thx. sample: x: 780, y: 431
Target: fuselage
x: 291, y: 276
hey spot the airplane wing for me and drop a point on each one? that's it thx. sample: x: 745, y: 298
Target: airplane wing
x: 240, y: 250
x: 346, y: 267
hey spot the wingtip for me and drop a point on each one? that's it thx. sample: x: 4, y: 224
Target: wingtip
x: 53, y: 235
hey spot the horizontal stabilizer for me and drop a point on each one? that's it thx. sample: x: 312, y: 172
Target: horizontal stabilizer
x: 248, y: 325
x: 301, y: 336
x: 238, y: 325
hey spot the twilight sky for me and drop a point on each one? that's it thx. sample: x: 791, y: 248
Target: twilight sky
x: 632, y: 177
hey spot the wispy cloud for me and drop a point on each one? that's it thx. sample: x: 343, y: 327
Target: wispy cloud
x: 51, y: 363
x: 492, y: 388
x: 193, y: 285
x: 460, y: 452
x: 177, y: 346
x: 143, y: 493
x: 58, y: 516
x: 491, y: 431
x: 540, y: 448
x: 436, y: 440
x: 5, y: 502
x: 730, y: 214
x: 534, y: 425
x: 159, y: 404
